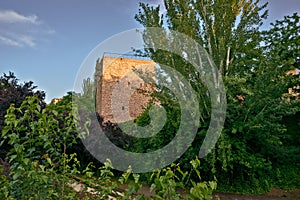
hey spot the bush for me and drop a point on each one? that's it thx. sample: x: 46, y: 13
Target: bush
x: 41, y: 169
x: 12, y: 92
x: 38, y: 154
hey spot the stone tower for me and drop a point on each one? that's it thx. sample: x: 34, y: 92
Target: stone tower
x: 122, y: 94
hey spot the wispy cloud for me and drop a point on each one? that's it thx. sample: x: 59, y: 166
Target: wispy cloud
x: 9, y: 16
x: 9, y: 41
x: 19, y: 30
x: 18, y: 40
x: 27, y: 40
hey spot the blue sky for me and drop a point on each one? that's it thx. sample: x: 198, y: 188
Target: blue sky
x: 47, y: 41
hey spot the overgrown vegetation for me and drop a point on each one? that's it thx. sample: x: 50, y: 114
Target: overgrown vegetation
x: 40, y: 167
x: 253, y: 148
x: 12, y: 92
x: 42, y: 155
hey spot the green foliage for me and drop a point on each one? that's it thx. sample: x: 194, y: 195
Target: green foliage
x: 68, y: 104
x: 86, y: 99
x: 13, y: 92
x: 282, y: 41
x: 253, y: 65
x: 40, y: 167
x: 286, y: 176
x: 39, y: 141
x: 169, y: 181
x: 4, y: 185
x: 259, y: 145
x: 164, y: 136
x: 257, y: 122
x: 227, y: 29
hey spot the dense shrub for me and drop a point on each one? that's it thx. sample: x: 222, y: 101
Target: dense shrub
x: 41, y: 169
x: 13, y: 92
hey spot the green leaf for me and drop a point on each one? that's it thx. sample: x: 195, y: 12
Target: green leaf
x: 12, y: 157
x: 49, y: 161
x: 234, y: 131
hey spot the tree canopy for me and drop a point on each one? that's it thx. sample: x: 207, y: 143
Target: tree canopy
x: 13, y: 92
x: 253, y: 64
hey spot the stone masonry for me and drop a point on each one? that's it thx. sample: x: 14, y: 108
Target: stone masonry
x: 122, y: 94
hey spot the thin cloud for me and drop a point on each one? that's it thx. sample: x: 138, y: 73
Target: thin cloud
x: 18, y: 40
x: 27, y: 40
x: 9, y: 42
x: 51, y: 31
x: 19, y: 30
x: 9, y: 16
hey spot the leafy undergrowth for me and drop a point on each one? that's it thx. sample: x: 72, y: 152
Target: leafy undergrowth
x: 40, y: 168
x: 45, y: 183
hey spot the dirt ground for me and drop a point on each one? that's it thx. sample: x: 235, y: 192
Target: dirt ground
x: 274, y: 194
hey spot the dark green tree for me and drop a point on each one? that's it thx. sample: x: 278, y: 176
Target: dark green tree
x: 228, y: 30
x: 13, y: 92
x: 282, y: 49
x: 253, y: 66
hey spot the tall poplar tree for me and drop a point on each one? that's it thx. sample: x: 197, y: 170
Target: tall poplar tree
x: 227, y: 29
x: 253, y: 65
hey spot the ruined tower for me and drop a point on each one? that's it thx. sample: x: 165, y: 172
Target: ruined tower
x: 124, y: 87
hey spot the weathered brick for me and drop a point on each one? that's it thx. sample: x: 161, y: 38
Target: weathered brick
x: 119, y: 87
